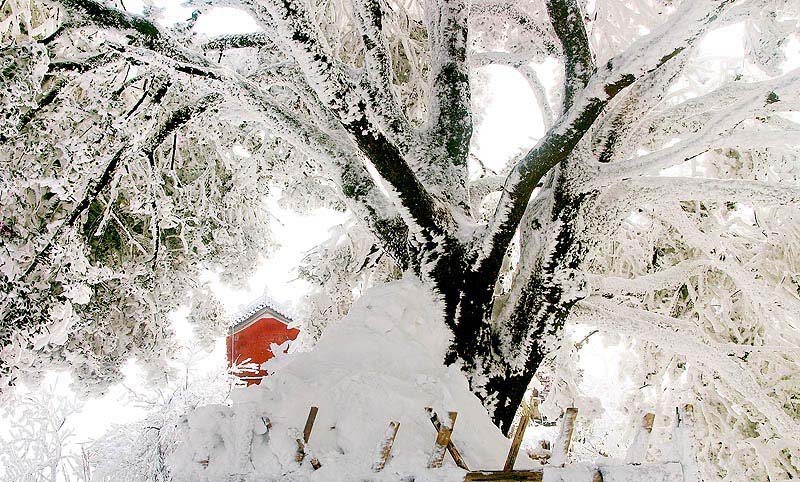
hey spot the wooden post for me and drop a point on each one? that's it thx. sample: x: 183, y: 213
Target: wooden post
x: 543, y: 453
x: 524, y: 418
x: 451, y: 446
x: 312, y: 415
x: 561, y: 446
x: 442, y: 440
x: 535, y: 414
x: 685, y: 443
x: 641, y: 441
x: 301, y: 443
x: 385, y: 447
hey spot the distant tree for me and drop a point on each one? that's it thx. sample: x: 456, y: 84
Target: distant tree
x: 138, y: 451
x: 38, y: 443
x: 661, y: 202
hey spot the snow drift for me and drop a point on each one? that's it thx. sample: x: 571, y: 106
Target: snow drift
x: 381, y: 363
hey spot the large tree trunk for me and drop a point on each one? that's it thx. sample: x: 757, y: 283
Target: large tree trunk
x: 500, y: 356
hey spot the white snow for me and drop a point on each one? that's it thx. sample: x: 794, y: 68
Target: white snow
x: 381, y: 363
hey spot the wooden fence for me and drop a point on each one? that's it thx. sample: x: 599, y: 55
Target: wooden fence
x: 553, y: 457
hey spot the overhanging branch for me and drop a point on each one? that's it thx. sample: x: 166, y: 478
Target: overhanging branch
x: 567, y: 21
x: 337, y: 93
x: 644, y: 57
x: 377, y: 80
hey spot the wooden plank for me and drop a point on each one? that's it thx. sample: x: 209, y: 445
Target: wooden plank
x: 385, y: 447
x: 300, y: 455
x: 641, y: 441
x: 451, y: 446
x: 561, y: 446
x: 516, y: 442
x: 442, y: 439
x: 312, y: 415
x: 543, y: 453
x: 301, y: 443
x: 504, y: 475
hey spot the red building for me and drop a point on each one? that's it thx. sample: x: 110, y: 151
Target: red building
x: 251, y: 334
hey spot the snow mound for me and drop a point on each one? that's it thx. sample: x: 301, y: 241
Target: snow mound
x: 381, y: 363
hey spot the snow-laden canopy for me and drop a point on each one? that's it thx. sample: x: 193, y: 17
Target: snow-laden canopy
x: 659, y: 205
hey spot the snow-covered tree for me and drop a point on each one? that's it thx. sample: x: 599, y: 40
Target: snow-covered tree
x: 660, y: 203
x: 38, y: 442
x: 138, y: 451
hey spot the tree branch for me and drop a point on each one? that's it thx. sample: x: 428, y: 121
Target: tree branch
x: 645, y: 56
x: 710, y: 121
x: 661, y: 189
x: 450, y: 117
x: 256, y: 40
x: 340, y: 97
x: 377, y: 81
x: 671, y: 277
x: 347, y: 170
x: 567, y: 21
x: 680, y: 336
x: 144, y: 34
x: 175, y: 119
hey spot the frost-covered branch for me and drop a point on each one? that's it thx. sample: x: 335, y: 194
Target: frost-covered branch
x: 345, y: 167
x: 713, y: 121
x: 646, y: 56
x: 656, y: 190
x: 378, y: 74
x: 144, y: 32
x: 567, y: 21
x: 340, y: 96
x: 256, y: 40
x: 678, y: 336
x: 450, y: 118
x: 174, y: 120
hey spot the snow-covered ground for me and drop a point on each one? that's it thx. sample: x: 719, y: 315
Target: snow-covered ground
x: 381, y: 363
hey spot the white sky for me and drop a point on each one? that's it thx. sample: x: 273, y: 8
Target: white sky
x: 510, y: 120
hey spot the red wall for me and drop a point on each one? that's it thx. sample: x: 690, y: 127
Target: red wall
x: 253, y: 342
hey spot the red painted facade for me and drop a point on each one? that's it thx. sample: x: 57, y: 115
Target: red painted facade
x: 253, y: 342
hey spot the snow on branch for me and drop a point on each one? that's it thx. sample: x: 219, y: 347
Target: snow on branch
x: 377, y: 80
x: 129, y: 149
x: 450, y: 117
x: 681, y: 337
x: 668, y: 278
x: 144, y: 33
x: 344, y: 166
x: 714, y: 121
x: 567, y: 21
x: 249, y: 40
x: 337, y: 93
x: 644, y: 57
x: 663, y: 189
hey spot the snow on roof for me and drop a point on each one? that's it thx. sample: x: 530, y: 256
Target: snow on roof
x: 263, y: 304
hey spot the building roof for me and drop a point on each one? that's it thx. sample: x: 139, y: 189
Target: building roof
x: 256, y: 310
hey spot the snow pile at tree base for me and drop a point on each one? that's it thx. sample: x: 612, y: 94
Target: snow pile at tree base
x: 383, y: 362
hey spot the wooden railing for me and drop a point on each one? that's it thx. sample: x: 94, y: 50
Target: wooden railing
x: 554, y: 459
